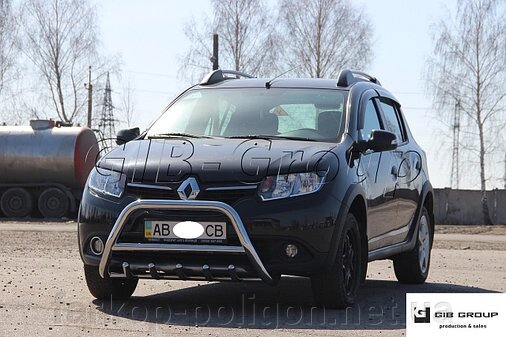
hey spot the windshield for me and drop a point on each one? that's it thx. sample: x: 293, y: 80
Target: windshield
x: 311, y: 114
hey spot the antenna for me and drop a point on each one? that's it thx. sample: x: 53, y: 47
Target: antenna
x: 269, y: 83
x: 454, y: 175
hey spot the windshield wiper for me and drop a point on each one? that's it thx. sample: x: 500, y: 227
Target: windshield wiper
x: 269, y: 137
x: 177, y: 135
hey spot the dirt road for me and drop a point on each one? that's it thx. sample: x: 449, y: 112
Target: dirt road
x: 43, y: 293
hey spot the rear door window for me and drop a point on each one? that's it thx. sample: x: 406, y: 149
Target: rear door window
x: 392, y: 120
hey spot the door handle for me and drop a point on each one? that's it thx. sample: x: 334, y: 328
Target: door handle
x: 393, y: 171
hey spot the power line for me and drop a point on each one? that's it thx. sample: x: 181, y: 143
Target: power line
x: 150, y: 91
x: 417, y: 108
x: 408, y: 93
x: 150, y: 74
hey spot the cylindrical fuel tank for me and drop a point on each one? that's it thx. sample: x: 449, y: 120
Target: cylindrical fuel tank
x: 46, y: 152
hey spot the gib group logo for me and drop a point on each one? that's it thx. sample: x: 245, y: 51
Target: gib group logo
x: 422, y: 315
x: 455, y: 314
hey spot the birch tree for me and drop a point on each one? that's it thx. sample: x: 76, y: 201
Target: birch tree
x: 469, y: 65
x: 321, y: 37
x: 248, y: 41
x: 60, y: 39
x: 8, y: 33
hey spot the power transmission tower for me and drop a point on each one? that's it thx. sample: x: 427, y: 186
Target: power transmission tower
x: 107, y: 120
x: 5, y: 5
x: 89, y: 87
x: 454, y: 178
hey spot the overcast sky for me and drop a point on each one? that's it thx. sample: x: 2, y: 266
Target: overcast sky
x: 148, y: 36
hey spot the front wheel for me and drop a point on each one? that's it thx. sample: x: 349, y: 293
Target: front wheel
x: 107, y: 288
x: 338, y: 287
x: 413, y: 266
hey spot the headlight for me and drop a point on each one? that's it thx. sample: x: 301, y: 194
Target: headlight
x: 289, y: 185
x: 107, y: 182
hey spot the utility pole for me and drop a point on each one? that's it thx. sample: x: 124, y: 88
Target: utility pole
x: 505, y: 170
x: 90, y: 97
x: 214, y: 58
x: 454, y: 175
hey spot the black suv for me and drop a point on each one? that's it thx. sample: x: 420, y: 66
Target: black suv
x: 245, y: 179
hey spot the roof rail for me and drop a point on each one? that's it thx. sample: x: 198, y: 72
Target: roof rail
x: 348, y: 77
x: 218, y: 75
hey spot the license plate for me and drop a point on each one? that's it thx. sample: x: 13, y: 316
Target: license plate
x: 185, y: 231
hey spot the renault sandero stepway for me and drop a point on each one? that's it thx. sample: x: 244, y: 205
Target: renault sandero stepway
x: 246, y: 179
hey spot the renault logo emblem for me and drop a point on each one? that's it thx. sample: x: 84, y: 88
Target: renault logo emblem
x: 189, y: 189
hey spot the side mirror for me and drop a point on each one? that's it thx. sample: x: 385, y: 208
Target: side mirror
x: 126, y: 135
x: 382, y: 140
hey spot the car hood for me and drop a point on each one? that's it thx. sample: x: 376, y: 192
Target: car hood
x: 171, y: 160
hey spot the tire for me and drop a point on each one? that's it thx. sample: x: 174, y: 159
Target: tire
x: 53, y: 203
x: 413, y: 267
x: 338, y: 287
x: 108, y: 288
x: 16, y: 203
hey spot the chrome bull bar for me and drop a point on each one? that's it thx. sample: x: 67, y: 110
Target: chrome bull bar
x: 246, y: 246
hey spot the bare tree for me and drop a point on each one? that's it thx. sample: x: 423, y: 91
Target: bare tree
x: 324, y: 36
x: 60, y: 38
x: 469, y: 65
x: 8, y: 33
x: 247, y: 39
x: 127, y: 105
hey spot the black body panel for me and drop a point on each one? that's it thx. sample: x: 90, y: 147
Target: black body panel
x: 385, y: 190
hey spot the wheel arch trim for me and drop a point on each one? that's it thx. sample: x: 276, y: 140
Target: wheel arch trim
x: 409, y: 243
x: 354, y: 192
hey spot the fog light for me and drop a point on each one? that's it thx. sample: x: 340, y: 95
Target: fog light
x: 96, y: 245
x: 291, y: 250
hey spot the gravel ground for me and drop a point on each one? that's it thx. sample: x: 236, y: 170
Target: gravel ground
x: 43, y: 293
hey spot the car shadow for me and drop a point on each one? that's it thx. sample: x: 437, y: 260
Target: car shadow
x: 289, y: 305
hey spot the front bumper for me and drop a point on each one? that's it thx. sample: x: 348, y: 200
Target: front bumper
x: 157, y: 270
x: 307, y: 221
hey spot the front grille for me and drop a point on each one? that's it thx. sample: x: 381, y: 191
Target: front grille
x: 152, y: 193
x: 228, y: 196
